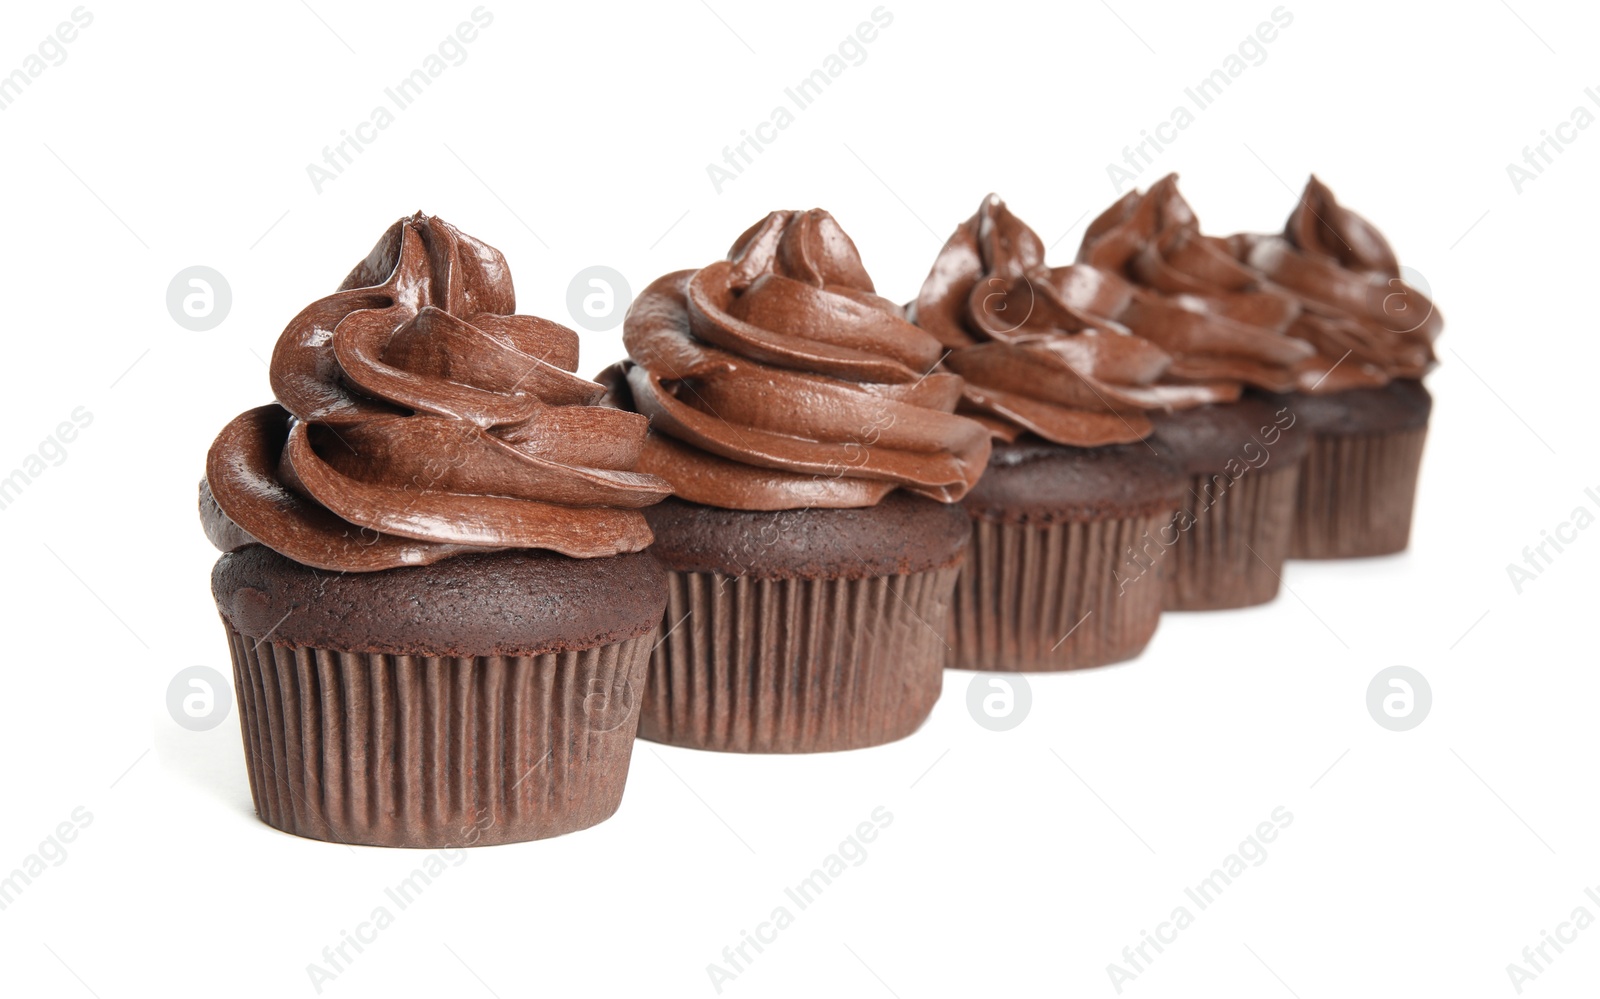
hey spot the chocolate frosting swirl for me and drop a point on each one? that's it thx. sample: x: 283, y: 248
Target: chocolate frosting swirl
x: 1038, y: 347
x: 778, y: 379
x: 1368, y: 325
x: 1186, y: 292
x: 419, y: 418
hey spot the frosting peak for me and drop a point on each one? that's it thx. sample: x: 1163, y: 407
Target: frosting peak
x: 419, y: 418
x: 1080, y: 354
x: 778, y: 378
x: 1321, y: 227
x: 1368, y: 325
x: 1190, y: 294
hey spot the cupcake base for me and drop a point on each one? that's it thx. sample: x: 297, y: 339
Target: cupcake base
x: 1357, y: 493
x: 799, y: 631
x: 1039, y: 598
x: 436, y: 751
x: 797, y: 665
x: 1067, y: 559
x: 1243, y: 461
x: 362, y: 725
x: 1358, y: 485
x: 1232, y: 553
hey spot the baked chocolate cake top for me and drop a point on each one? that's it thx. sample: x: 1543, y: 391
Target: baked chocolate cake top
x: 1258, y: 431
x: 1403, y: 404
x: 1036, y: 482
x: 899, y: 535
x: 521, y: 603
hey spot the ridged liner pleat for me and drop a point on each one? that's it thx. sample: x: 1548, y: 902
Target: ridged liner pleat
x: 796, y: 665
x: 1357, y: 492
x: 1232, y: 554
x: 424, y: 751
x: 1066, y: 595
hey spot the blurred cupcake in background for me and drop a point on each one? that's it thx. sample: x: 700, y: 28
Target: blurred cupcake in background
x: 815, y: 461
x: 1360, y: 396
x: 1068, y: 522
x: 1144, y: 263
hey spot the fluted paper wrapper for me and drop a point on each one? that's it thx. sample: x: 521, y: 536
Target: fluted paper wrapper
x: 757, y: 665
x: 1356, y: 494
x: 1232, y: 554
x: 1041, y: 597
x: 423, y: 751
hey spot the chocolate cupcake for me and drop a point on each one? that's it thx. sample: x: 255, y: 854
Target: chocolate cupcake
x: 434, y: 585
x: 1361, y: 396
x: 1154, y: 271
x: 1073, y: 518
x: 814, y: 460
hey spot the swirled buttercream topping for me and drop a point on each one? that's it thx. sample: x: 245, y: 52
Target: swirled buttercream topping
x: 418, y: 417
x: 1049, y: 349
x: 1368, y: 324
x: 1190, y: 295
x: 779, y: 379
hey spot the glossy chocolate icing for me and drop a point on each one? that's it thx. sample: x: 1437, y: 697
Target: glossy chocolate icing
x: 1041, y: 350
x: 1355, y: 304
x: 778, y: 379
x: 1185, y: 292
x: 419, y: 418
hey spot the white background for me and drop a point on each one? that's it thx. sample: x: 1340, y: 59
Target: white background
x: 1018, y: 863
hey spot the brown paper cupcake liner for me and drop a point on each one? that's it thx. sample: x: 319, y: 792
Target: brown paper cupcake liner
x: 1232, y: 552
x: 1356, y: 494
x: 1057, y: 596
x: 762, y: 665
x: 425, y: 751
